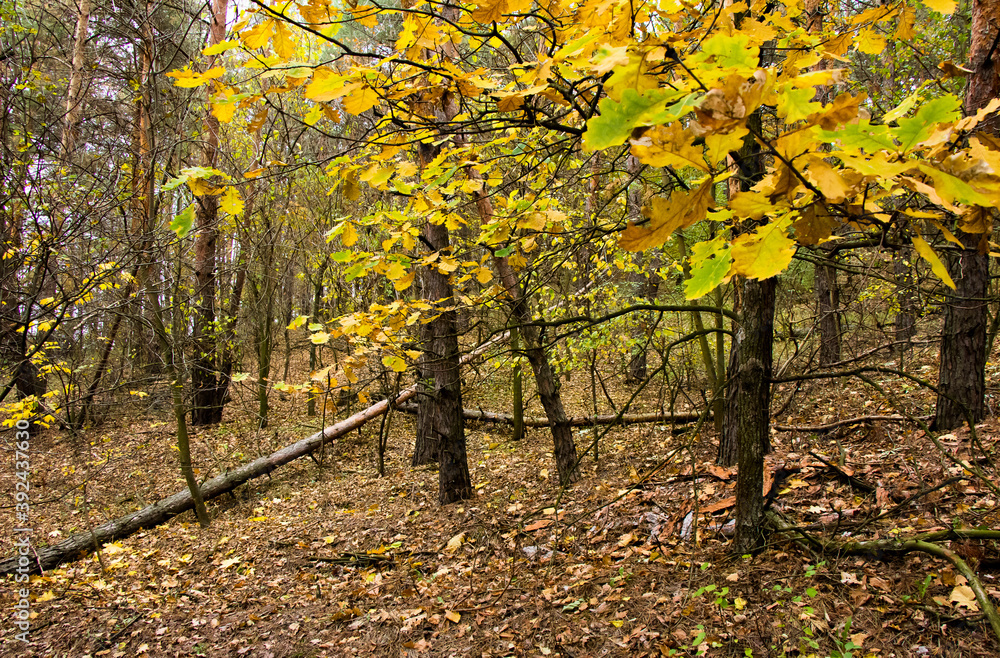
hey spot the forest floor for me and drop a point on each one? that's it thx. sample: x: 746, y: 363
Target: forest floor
x: 325, y: 558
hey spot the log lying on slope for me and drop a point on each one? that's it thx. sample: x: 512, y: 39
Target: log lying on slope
x: 83, y: 542
x: 575, y: 421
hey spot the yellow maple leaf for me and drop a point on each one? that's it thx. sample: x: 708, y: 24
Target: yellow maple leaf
x: 361, y: 100
x: 828, y: 180
x: 870, y: 42
x: 396, y: 270
x: 257, y: 36
x: 669, y: 146
x: 928, y: 255
x: 489, y: 11
x: 223, y: 110
x: 946, y: 7
x: 904, y: 29
x: 765, y: 252
x: 231, y: 201
x: 667, y: 215
x: 349, y: 235
x: 327, y: 85
x: 186, y: 78
x: 200, y: 188
x: 284, y: 46
x: 403, y: 283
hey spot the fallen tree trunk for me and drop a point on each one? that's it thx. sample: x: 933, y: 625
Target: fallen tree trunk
x: 897, y: 546
x: 83, y: 542
x: 575, y: 421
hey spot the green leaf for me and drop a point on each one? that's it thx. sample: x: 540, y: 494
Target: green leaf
x: 861, y: 135
x: 928, y: 255
x: 796, y: 104
x: 903, y: 108
x: 730, y: 51
x: 394, y: 362
x: 617, y: 119
x: 952, y: 189
x: 710, y: 264
x: 182, y: 223
x: 912, y: 131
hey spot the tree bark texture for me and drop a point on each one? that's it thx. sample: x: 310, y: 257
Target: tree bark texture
x: 447, y: 425
x: 425, y: 449
x: 516, y: 387
x: 729, y: 440
x: 905, y: 322
x: 210, y: 385
x: 75, y: 93
x: 753, y: 410
x: 828, y: 309
x: 962, y: 383
x: 962, y: 378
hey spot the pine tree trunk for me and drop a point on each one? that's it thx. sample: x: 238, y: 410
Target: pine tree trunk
x: 962, y: 378
x: 209, y: 384
x: 75, y: 93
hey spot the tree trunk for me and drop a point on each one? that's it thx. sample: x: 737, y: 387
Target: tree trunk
x: 317, y: 299
x: 564, y: 446
x: 905, y: 322
x: 425, y: 448
x: 180, y: 413
x: 447, y: 425
x: 86, y: 405
x: 75, y: 93
x: 209, y: 383
x: 729, y: 440
x: 646, y: 285
x: 264, y: 330
x: 753, y: 410
x: 516, y: 388
x: 650, y: 284
x: 962, y: 378
x: 828, y: 309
